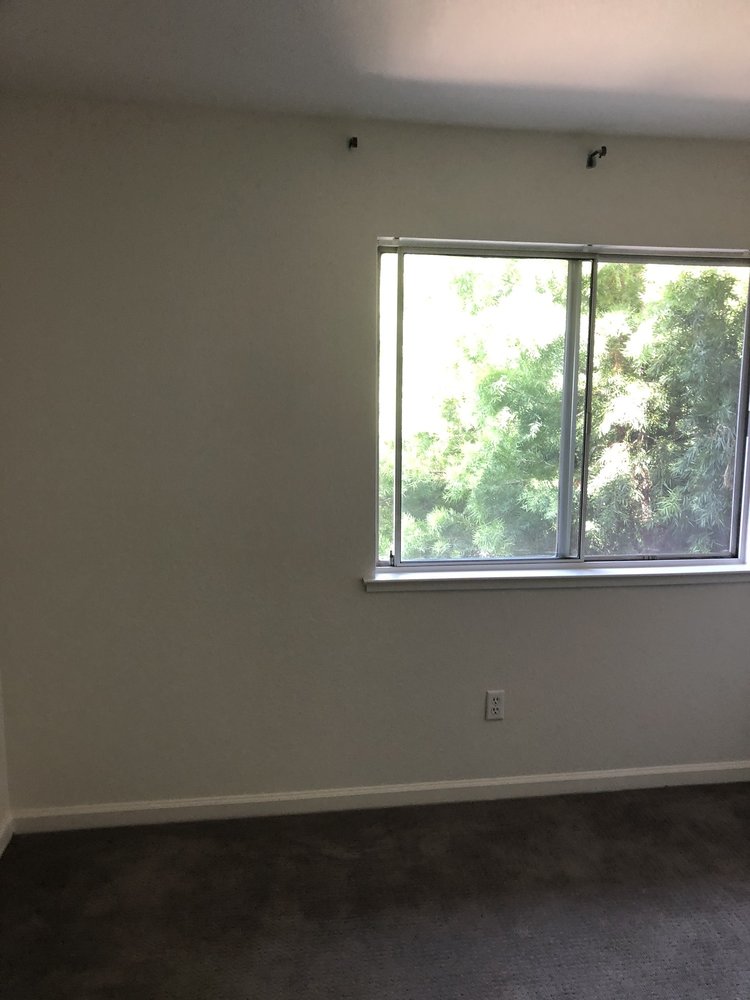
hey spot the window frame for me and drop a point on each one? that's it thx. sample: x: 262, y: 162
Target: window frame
x: 563, y: 569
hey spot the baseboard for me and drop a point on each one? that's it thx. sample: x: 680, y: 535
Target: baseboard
x: 373, y: 796
x: 6, y: 832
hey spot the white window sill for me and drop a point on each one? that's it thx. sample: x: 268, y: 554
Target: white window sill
x: 387, y: 579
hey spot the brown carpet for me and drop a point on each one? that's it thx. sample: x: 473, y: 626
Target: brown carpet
x: 628, y: 895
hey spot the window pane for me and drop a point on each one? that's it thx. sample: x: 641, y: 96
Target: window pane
x: 666, y: 384
x: 386, y: 402
x: 483, y: 349
x: 569, y: 531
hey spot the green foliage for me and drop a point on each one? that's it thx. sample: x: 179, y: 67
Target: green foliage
x: 619, y: 288
x: 477, y: 293
x: 663, y: 430
x: 488, y: 488
x: 673, y: 491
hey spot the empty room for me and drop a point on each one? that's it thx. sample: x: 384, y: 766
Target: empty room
x: 374, y: 382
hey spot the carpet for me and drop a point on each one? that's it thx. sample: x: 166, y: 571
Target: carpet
x: 628, y: 895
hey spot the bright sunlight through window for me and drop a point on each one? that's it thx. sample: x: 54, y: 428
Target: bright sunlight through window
x: 548, y: 404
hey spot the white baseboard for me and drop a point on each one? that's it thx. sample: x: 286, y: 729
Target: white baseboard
x: 110, y: 814
x: 6, y: 832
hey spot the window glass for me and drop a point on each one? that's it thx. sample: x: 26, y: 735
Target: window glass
x: 499, y: 439
x: 387, y: 402
x: 665, y: 398
x: 483, y: 348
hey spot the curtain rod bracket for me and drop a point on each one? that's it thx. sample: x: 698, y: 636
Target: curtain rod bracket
x: 594, y: 156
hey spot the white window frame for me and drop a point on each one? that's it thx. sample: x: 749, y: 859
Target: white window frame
x: 566, y: 568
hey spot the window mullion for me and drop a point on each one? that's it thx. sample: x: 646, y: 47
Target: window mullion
x: 740, y: 472
x: 397, y: 464
x: 587, y: 412
x: 568, y: 415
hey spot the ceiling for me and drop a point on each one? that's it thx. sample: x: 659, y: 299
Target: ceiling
x: 665, y: 67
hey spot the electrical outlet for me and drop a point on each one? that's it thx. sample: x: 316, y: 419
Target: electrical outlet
x: 494, y: 706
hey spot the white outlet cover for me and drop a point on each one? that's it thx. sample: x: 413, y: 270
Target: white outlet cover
x: 494, y: 709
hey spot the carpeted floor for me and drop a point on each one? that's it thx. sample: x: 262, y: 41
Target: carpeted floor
x: 598, y: 897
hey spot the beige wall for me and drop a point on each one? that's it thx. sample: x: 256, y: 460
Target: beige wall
x: 5, y: 817
x: 187, y: 426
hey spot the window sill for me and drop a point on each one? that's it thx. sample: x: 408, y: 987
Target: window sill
x: 386, y: 579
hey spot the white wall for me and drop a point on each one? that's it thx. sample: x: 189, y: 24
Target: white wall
x: 187, y: 415
x: 5, y: 816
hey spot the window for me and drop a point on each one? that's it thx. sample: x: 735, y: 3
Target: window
x: 560, y: 406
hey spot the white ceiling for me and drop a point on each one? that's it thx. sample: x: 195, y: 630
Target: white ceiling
x: 671, y: 67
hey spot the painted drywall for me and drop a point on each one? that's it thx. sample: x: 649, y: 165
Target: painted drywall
x: 5, y: 815
x: 187, y: 433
